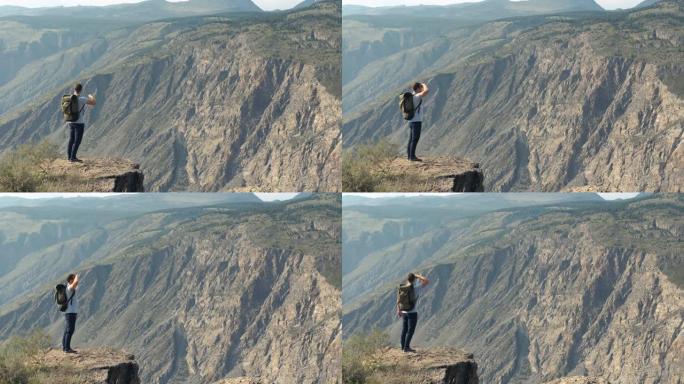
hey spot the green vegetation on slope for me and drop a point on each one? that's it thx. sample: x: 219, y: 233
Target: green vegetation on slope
x: 356, y: 353
x: 18, y: 357
x: 360, y: 171
x: 26, y: 168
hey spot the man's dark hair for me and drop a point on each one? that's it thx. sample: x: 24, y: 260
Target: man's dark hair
x: 78, y: 88
x: 411, y: 277
x: 71, y: 278
x: 416, y: 86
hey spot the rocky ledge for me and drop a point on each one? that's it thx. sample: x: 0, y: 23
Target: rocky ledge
x: 433, y: 366
x: 90, y: 366
x: 240, y: 380
x: 438, y: 174
x: 578, y: 380
x: 97, y: 175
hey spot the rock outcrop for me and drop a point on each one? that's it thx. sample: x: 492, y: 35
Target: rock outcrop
x: 578, y: 380
x: 97, y: 175
x: 426, y: 366
x: 433, y: 174
x: 90, y: 366
x: 240, y: 380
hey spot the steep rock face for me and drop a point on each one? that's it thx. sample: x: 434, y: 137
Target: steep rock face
x: 426, y: 366
x: 98, y: 175
x: 556, y: 295
x: 207, y: 294
x: 201, y: 111
x: 82, y: 231
x: 559, y: 107
x: 384, y: 31
x: 90, y: 366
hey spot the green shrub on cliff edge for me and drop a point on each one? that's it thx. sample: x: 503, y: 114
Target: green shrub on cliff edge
x: 16, y: 356
x: 26, y: 168
x: 358, y: 166
x: 356, y: 354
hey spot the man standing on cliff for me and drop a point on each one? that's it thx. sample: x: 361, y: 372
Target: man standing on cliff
x: 71, y: 313
x: 407, y: 301
x: 420, y: 90
x: 73, y: 107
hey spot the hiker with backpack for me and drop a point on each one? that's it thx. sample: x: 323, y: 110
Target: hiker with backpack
x: 65, y: 297
x: 407, y: 300
x: 73, y: 107
x: 411, y: 104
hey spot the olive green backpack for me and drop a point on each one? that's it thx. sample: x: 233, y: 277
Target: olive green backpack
x: 70, y: 108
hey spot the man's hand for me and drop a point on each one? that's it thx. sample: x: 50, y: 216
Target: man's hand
x: 74, y: 284
x: 91, y: 100
x: 423, y: 280
x: 424, y: 90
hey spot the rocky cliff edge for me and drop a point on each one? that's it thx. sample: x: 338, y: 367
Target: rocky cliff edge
x: 97, y: 175
x: 578, y: 380
x: 90, y: 366
x: 433, y: 366
x: 434, y: 174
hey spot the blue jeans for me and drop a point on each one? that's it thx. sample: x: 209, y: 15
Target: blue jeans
x: 407, y: 329
x: 414, y: 136
x: 75, y: 137
x: 69, y: 329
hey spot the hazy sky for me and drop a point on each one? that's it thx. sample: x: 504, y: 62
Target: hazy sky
x: 607, y: 4
x: 263, y: 4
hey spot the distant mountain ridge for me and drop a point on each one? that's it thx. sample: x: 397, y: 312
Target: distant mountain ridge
x: 484, y: 10
x: 142, y: 11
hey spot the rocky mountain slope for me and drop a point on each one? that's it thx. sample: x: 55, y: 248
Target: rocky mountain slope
x: 537, y: 293
x: 32, y: 231
x: 545, y: 103
x: 372, y: 33
x: 265, y: 116
x: 207, y: 293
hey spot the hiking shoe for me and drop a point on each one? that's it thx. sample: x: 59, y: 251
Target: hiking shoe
x: 76, y: 160
x: 70, y: 351
x: 409, y: 350
x: 415, y: 159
